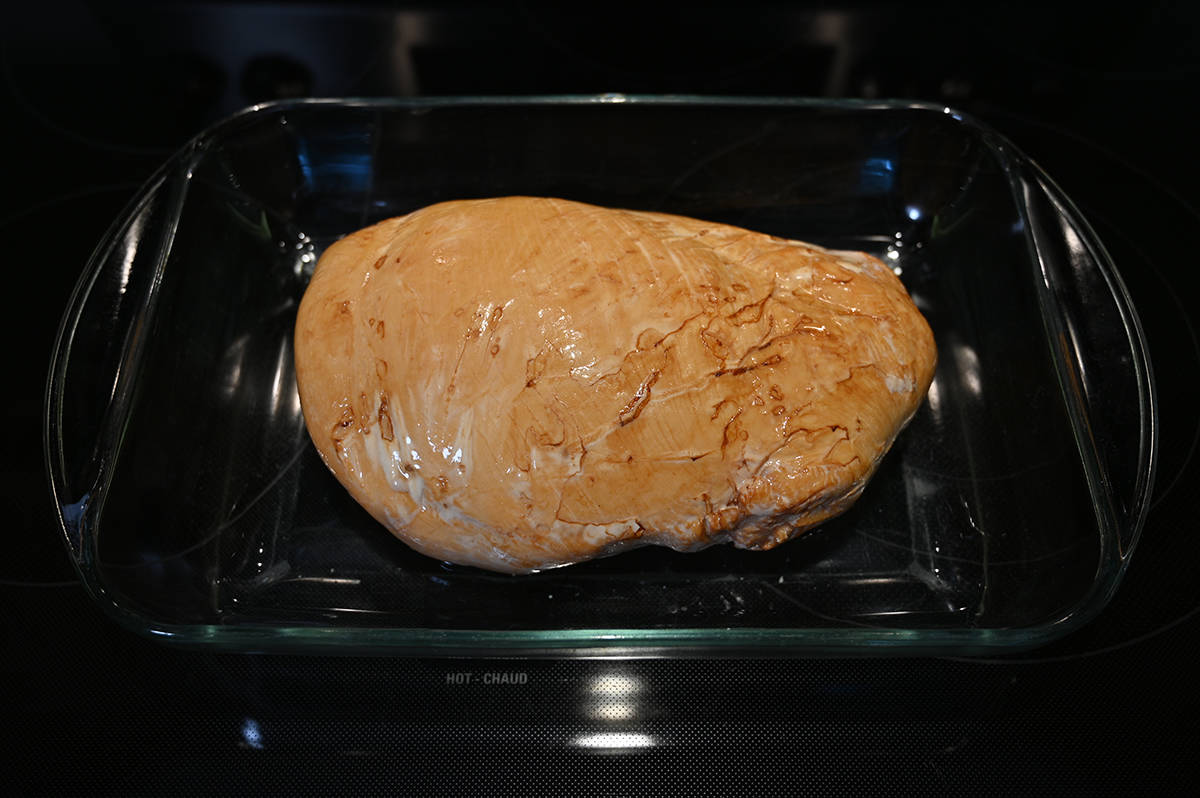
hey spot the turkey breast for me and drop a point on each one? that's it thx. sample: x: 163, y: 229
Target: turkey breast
x: 521, y: 383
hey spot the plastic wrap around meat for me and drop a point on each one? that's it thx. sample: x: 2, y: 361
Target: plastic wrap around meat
x: 522, y: 383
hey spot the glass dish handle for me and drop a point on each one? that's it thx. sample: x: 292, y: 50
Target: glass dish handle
x: 1101, y: 356
x: 93, y: 366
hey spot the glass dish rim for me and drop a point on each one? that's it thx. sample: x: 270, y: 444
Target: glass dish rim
x: 620, y: 641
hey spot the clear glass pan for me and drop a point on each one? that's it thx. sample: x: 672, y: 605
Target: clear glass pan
x: 196, y: 509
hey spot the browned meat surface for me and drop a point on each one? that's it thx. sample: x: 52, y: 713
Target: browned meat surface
x: 521, y: 383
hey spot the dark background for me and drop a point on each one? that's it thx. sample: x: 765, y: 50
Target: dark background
x: 96, y: 95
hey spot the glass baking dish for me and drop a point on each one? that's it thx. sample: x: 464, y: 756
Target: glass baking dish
x: 197, y: 510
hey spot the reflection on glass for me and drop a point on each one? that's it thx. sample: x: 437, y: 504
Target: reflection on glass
x: 136, y: 231
x: 934, y: 397
x: 968, y: 368
x: 893, y: 251
x: 877, y: 175
x: 283, y: 386
x: 306, y: 261
x: 233, y: 366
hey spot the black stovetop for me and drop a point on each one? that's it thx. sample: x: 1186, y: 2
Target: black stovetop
x: 98, y: 94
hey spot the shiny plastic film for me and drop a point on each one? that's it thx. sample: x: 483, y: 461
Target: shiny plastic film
x: 1004, y: 500
x: 521, y: 383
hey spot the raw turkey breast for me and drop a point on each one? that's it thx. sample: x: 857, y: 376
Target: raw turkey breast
x: 522, y: 383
